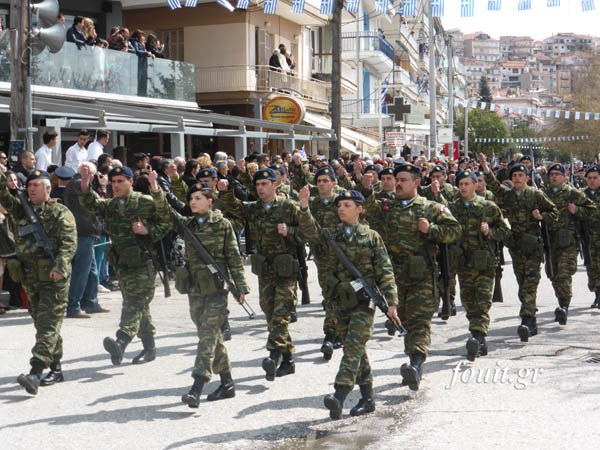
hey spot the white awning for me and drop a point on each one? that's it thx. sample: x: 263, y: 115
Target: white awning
x: 350, y: 139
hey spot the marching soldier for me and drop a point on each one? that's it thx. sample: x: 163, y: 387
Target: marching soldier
x: 572, y: 205
x: 353, y: 314
x: 207, y: 295
x: 273, y: 222
x: 524, y: 207
x: 592, y: 191
x: 134, y: 228
x: 413, y: 226
x: 44, y: 268
x: 442, y: 188
x: 483, y: 228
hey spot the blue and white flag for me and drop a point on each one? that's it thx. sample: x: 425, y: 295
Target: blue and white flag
x: 352, y: 6
x: 557, y: 114
x: 548, y: 113
x: 225, y: 4
x: 303, y: 151
x: 297, y: 6
x: 174, y: 4
x: 596, y: 116
x: 492, y: 107
x: 243, y: 4
x: 384, y: 90
x: 553, y: 3
x: 483, y: 105
x: 270, y: 6
x: 466, y: 8
x: 381, y: 6
x: 191, y: 3
x: 567, y: 114
x: 409, y: 8
x: 326, y: 7
x: 524, y: 5
x: 494, y: 5
x: 577, y: 115
x: 587, y: 5
x: 437, y: 8
x: 587, y: 116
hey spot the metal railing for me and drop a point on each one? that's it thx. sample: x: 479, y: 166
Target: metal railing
x: 368, y: 41
x: 257, y: 78
x: 362, y: 106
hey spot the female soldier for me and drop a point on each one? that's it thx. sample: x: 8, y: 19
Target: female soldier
x: 353, y: 313
x: 207, y: 295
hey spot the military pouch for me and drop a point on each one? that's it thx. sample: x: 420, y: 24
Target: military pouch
x: 331, y: 284
x: 417, y: 267
x: 135, y: 257
x: 257, y: 264
x: 182, y: 280
x: 286, y: 266
x: 347, y: 295
x: 206, y: 283
x: 456, y: 256
x: 43, y: 269
x: 563, y: 238
x: 15, y: 270
x: 482, y: 260
x: 529, y: 244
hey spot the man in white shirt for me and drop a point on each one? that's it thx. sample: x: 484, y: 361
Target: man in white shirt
x: 43, y: 157
x: 96, y: 148
x: 77, y: 153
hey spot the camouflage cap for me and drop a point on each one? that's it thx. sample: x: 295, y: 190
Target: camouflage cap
x: 350, y: 195
x: 557, y: 168
x: 325, y: 170
x: 264, y: 174
x: 120, y: 171
x: 410, y: 168
x: 206, y: 173
x: 519, y: 168
x: 35, y: 174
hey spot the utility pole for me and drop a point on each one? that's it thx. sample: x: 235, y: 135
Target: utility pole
x: 432, y: 87
x: 19, y: 71
x: 336, y: 79
x: 450, y: 84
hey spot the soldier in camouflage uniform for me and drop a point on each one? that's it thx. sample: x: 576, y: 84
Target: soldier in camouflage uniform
x: 283, y: 186
x: 572, y: 205
x: 481, y: 187
x: 524, y: 207
x: 354, y: 315
x: 442, y: 188
x: 45, y: 277
x: 134, y: 228
x: 413, y: 226
x: 273, y: 222
x: 592, y: 191
x: 483, y: 228
x: 207, y: 294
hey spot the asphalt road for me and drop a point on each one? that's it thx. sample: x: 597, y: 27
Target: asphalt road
x: 543, y: 394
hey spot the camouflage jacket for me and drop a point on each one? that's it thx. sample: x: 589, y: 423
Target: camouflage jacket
x: 366, y: 250
x: 593, y: 219
x: 215, y: 232
x: 561, y: 197
x: 487, y: 195
x: 58, y: 223
x: 447, y: 191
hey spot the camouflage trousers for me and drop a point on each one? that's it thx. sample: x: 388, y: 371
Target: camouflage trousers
x: 137, y: 289
x: 355, y: 328
x: 565, y: 265
x: 329, y: 323
x: 277, y: 299
x: 593, y: 271
x: 527, y: 273
x: 417, y: 302
x: 476, y: 290
x: 208, y: 314
x: 47, y: 305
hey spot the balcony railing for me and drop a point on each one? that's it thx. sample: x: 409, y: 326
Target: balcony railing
x: 110, y: 72
x: 368, y: 41
x: 362, y: 106
x: 257, y: 78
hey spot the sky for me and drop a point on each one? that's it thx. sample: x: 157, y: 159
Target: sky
x: 539, y: 23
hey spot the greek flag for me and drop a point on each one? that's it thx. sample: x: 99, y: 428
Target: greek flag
x: 270, y: 6
x: 494, y: 5
x: 409, y: 8
x: 381, y: 6
x: 303, y: 151
x: 437, y: 8
x: 243, y: 4
x: 191, y: 3
x: 174, y: 4
x: 352, y: 6
x: 524, y: 5
x: 587, y: 5
x: 297, y: 6
x: 466, y: 8
x: 326, y: 7
x: 553, y: 3
x: 384, y: 90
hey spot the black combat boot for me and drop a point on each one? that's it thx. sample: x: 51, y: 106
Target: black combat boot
x: 473, y: 345
x: 366, y: 404
x: 561, y: 313
x: 335, y: 403
x: 226, y: 330
x: 54, y: 376
x: 287, y: 366
x: 31, y: 382
x: 148, y: 353
x: 225, y: 390
x: 483, y: 348
x: 337, y: 343
x: 327, y: 346
x: 117, y: 348
x: 192, y: 398
x: 596, y: 303
x: 527, y: 328
x: 411, y: 373
x: 269, y: 364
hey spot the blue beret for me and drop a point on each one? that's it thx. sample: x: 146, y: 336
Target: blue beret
x: 64, y: 173
x: 35, y: 174
x: 386, y: 171
x: 592, y: 168
x: 264, y: 174
x: 438, y: 168
x: 205, y: 188
x: 466, y: 174
x: 519, y: 168
x: 120, y: 171
x: 325, y: 170
x: 350, y: 195
x: 411, y: 168
x: 278, y: 167
x: 557, y: 167
x: 206, y: 173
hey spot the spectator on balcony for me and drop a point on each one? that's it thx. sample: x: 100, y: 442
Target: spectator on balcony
x: 74, y: 33
x: 154, y: 46
x: 274, y: 61
x: 114, y: 31
x: 120, y: 40
x: 89, y: 31
x: 288, y: 57
x: 138, y: 40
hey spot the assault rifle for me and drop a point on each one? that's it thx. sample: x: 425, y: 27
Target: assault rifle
x: 303, y: 274
x: 546, y: 244
x: 163, y: 272
x: 35, y: 228
x: 360, y: 283
x: 445, y: 270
